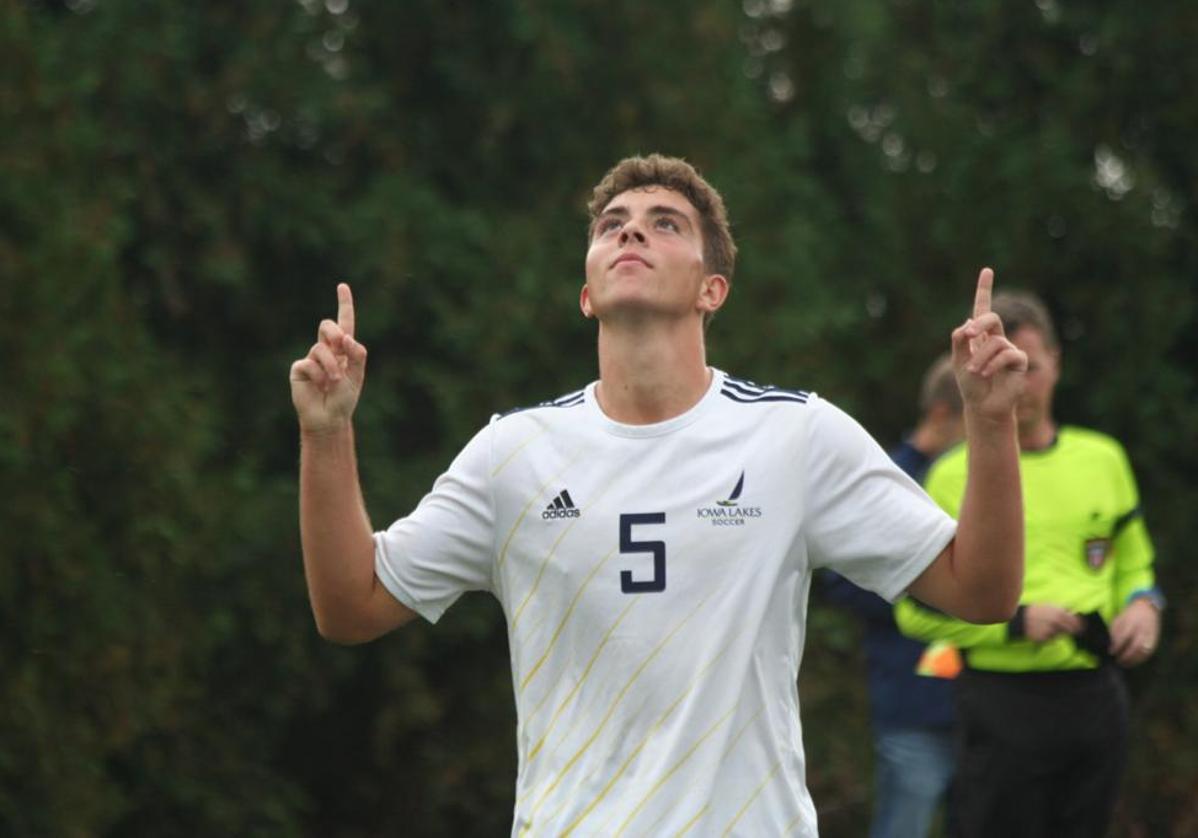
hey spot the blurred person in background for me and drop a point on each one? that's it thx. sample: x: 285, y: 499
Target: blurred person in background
x: 1041, y: 703
x: 911, y: 713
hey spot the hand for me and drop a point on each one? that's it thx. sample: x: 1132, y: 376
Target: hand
x: 1135, y: 632
x: 1042, y: 622
x: 326, y: 383
x: 990, y: 369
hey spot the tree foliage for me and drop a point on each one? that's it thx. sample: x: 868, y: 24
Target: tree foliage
x: 184, y: 184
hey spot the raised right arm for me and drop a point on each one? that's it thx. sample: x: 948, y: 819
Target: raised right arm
x: 348, y: 601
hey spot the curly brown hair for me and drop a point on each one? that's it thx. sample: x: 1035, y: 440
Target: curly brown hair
x: 719, y: 251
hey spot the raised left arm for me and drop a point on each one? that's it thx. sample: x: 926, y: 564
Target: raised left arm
x: 979, y: 575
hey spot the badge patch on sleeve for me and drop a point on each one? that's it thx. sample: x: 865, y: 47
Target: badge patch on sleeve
x: 1097, y: 551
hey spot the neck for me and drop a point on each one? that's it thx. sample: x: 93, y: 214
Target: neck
x: 649, y: 375
x: 1037, y: 435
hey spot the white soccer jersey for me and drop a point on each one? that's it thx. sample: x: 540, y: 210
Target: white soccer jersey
x: 655, y: 580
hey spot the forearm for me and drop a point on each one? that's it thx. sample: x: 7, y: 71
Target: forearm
x: 335, y: 532
x: 987, y: 556
x: 920, y: 623
x: 1133, y: 562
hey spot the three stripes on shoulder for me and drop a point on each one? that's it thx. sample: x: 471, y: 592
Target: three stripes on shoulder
x: 746, y: 392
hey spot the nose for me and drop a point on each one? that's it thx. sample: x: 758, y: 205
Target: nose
x: 631, y: 230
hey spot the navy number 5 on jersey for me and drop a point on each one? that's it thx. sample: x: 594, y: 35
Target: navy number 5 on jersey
x: 657, y: 548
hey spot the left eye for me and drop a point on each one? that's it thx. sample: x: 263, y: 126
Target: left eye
x: 667, y: 224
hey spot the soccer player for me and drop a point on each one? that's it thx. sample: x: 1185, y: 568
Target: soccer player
x: 1042, y: 708
x: 652, y: 537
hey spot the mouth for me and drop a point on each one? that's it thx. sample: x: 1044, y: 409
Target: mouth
x: 630, y: 257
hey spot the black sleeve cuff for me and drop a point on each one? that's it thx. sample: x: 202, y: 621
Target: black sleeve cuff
x: 1015, y: 624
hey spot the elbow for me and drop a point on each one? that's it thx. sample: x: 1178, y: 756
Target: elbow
x: 1009, y: 608
x: 997, y: 607
x: 341, y: 632
x: 984, y: 616
x: 350, y: 620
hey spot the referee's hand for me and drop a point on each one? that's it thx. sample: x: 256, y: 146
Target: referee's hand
x: 1135, y: 633
x: 326, y: 383
x: 1043, y: 621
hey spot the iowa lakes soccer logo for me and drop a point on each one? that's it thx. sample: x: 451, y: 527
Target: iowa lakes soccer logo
x: 729, y: 512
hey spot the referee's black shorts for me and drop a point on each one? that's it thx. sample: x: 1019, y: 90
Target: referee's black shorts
x: 1040, y: 754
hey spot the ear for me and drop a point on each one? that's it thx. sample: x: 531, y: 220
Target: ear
x: 584, y: 302
x: 1055, y: 355
x: 712, y: 293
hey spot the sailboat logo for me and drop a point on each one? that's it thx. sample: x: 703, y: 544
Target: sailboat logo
x: 732, y: 498
x: 729, y: 512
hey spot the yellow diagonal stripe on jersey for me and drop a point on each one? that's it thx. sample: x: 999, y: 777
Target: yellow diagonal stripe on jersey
x: 536, y: 584
x: 673, y: 770
x: 507, y: 542
x: 689, y: 825
x: 732, y: 742
x: 736, y: 737
x: 557, y: 633
x: 757, y: 791
x: 516, y: 451
x: 565, y: 702
x: 654, y: 828
x: 649, y: 735
x: 615, y: 703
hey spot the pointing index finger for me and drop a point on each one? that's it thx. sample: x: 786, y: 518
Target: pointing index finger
x: 345, y: 309
x: 981, y: 301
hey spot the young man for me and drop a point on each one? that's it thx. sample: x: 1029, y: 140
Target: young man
x: 911, y: 714
x: 651, y: 537
x: 1041, y: 705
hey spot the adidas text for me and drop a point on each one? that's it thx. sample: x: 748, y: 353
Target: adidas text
x: 561, y: 506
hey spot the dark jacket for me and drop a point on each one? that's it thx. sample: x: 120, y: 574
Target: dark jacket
x: 898, y: 697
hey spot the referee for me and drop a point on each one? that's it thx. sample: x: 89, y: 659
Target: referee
x: 1042, y: 708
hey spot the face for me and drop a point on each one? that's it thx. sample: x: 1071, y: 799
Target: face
x: 646, y: 259
x: 1043, y: 370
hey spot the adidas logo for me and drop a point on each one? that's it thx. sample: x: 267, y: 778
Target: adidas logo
x: 562, y: 507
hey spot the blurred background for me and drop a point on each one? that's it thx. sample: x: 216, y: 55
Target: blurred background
x: 181, y: 185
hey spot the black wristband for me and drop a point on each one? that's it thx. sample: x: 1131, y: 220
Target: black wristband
x: 1015, y: 624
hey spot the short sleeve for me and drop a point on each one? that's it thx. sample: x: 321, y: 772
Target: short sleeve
x: 865, y: 518
x: 445, y: 547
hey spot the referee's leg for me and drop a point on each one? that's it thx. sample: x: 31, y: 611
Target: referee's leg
x: 1006, y: 759
x: 1089, y: 787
